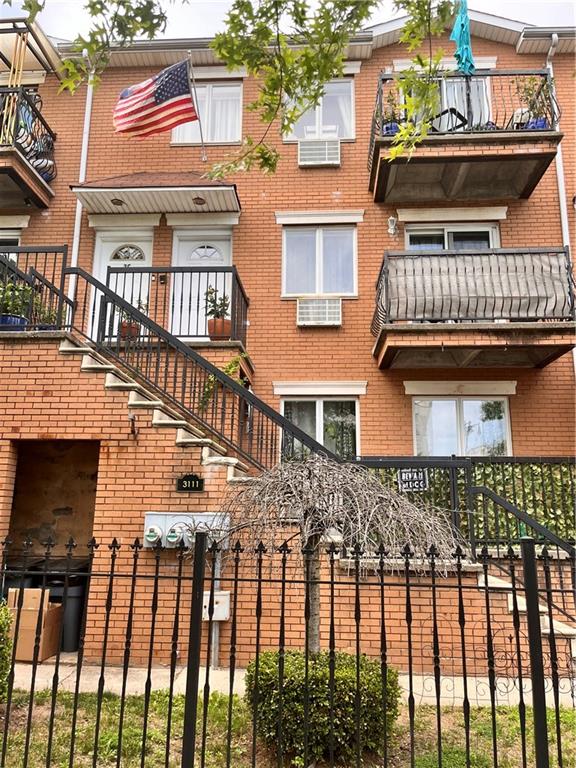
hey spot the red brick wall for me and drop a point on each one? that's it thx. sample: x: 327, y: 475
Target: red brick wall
x: 279, y: 349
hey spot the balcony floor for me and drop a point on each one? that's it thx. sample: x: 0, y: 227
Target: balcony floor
x: 464, y: 166
x: 473, y: 345
x: 20, y: 184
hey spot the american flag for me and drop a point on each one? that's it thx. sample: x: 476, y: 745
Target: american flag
x: 158, y: 104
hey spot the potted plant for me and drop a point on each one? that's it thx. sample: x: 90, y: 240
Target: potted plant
x: 15, y: 305
x: 46, y: 318
x: 217, y: 308
x: 129, y: 328
x: 536, y: 95
x: 391, y: 117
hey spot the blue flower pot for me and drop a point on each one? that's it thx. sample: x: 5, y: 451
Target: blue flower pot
x: 390, y: 129
x: 537, y: 124
x: 13, y: 322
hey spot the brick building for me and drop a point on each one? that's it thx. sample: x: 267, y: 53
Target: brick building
x: 403, y: 309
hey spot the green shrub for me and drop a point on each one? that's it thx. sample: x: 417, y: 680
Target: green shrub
x: 374, y: 723
x: 5, y: 648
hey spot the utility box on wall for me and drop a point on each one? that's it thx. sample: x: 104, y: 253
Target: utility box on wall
x: 221, y: 610
x: 173, y: 529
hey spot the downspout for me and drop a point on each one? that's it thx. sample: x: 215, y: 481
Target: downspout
x: 560, y: 179
x: 81, y: 179
x: 559, y: 159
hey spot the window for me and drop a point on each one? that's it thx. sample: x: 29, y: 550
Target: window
x: 333, y: 118
x: 128, y: 253
x: 319, y: 261
x: 331, y: 422
x: 466, y: 102
x: 459, y: 237
x: 220, y: 109
x: 465, y: 426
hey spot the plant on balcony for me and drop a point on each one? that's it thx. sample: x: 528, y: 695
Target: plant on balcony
x: 535, y: 95
x: 217, y: 310
x: 15, y: 305
x: 129, y: 328
x: 45, y: 318
x: 391, y: 114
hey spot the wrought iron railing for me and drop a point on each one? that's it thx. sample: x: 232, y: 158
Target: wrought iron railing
x: 527, y: 284
x: 175, y: 298
x: 492, y: 101
x: 32, y: 282
x: 23, y: 126
x: 204, y: 394
x: 544, y: 488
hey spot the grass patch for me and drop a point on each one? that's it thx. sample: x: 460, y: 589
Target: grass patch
x: 425, y: 734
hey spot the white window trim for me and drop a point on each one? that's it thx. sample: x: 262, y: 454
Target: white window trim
x: 319, y: 275
x: 443, y: 215
x: 459, y: 425
x: 327, y: 389
x: 120, y: 221
x: 290, y: 139
x: 202, y: 220
x: 483, y: 388
x: 202, y: 74
x: 233, y: 143
x: 319, y: 400
x: 14, y: 222
x: 449, y: 63
x: 319, y: 217
x: 434, y: 229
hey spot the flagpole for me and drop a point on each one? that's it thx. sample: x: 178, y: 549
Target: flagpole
x: 204, y: 156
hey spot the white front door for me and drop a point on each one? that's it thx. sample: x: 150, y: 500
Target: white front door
x: 197, y: 261
x: 122, y: 248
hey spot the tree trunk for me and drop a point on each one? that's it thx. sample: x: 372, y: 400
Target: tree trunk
x: 312, y: 576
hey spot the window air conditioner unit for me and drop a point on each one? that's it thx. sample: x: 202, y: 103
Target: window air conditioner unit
x: 313, y: 152
x: 319, y: 312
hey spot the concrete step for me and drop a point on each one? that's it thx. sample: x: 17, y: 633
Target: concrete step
x: 95, y: 364
x: 228, y: 461
x: 137, y: 399
x: 206, y: 442
x: 69, y: 347
x: 162, y: 418
x: 190, y: 432
x: 121, y: 383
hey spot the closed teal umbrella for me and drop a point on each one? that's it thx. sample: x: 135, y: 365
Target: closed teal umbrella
x: 461, y: 36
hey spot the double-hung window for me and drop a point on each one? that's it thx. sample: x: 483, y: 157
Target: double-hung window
x: 319, y: 261
x: 331, y: 422
x: 457, y: 237
x: 219, y: 106
x: 332, y: 118
x: 464, y: 426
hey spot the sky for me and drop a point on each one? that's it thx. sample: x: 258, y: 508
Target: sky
x: 197, y: 18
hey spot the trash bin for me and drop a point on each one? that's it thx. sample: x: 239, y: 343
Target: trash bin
x: 75, y: 598
x: 12, y: 578
x: 72, y: 617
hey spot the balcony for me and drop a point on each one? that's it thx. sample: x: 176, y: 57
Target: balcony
x: 27, y: 163
x: 472, y: 309
x: 494, y: 136
x: 175, y: 298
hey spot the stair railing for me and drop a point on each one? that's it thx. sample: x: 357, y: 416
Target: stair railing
x: 207, y: 397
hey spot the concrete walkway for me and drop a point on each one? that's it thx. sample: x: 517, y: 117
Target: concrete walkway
x: 113, y: 675
x: 451, y: 688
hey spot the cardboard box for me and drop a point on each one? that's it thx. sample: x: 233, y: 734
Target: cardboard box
x: 51, y: 622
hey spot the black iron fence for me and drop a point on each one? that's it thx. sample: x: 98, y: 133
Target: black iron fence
x: 32, y: 288
x: 22, y: 126
x: 180, y: 299
x: 492, y: 285
x: 244, y: 657
x: 491, y: 101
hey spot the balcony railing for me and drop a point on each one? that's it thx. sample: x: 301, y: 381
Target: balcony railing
x: 23, y: 127
x: 528, y: 284
x: 490, y: 101
x: 175, y: 297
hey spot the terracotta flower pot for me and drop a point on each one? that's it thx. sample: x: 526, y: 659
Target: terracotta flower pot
x: 219, y: 328
x: 129, y: 330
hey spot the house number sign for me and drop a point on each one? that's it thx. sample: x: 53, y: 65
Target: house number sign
x: 190, y: 484
x: 413, y: 479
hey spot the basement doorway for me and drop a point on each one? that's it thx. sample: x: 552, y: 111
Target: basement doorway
x: 54, y: 494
